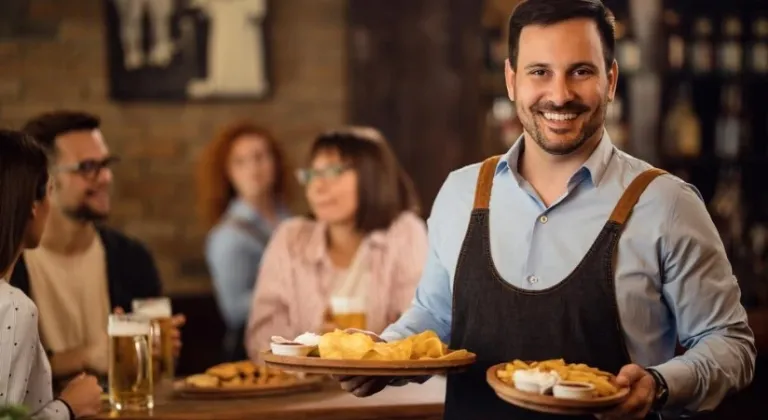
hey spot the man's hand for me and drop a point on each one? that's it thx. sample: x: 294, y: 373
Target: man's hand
x: 642, y: 389
x: 177, y: 322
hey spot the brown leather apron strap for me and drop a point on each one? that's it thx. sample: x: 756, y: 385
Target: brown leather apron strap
x: 632, y: 194
x: 485, y: 182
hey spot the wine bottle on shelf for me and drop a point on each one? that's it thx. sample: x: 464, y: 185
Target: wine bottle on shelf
x: 758, y: 51
x: 628, y: 52
x: 675, y: 41
x: 701, y: 47
x: 727, y: 208
x: 614, y: 123
x: 729, y: 54
x: 682, y: 127
x: 732, y: 128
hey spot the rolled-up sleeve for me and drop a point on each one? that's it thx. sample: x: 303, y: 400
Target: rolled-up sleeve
x: 704, y: 296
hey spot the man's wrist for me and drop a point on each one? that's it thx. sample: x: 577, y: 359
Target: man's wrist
x: 661, y: 390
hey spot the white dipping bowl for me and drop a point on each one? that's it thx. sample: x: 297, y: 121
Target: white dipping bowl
x: 573, y: 390
x: 299, y: 350
x: 527, y: 386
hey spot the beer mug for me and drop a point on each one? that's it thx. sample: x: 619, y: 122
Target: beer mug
x: 348, y: 312
x: 158, y: 310
x: 130, y: 363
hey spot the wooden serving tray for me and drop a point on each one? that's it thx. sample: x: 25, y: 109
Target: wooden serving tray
x: 549, y: 403
x: 310, y: 383
x: 366, y: 367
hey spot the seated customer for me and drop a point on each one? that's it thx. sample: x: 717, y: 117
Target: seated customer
x: 25, y: 375
x: 82, y: 270
x: 364, y: 243
x: 242, y: 192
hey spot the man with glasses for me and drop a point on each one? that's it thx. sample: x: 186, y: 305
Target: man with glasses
x: 82, y: 270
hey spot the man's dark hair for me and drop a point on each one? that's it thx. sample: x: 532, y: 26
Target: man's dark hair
x: 46, y: 127
x: 23, y: 180
x: 548, y: 12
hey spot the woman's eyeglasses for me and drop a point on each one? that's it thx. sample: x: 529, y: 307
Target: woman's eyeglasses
x: 306, y: 175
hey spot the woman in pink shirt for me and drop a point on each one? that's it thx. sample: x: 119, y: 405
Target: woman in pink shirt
x: 364, y: 243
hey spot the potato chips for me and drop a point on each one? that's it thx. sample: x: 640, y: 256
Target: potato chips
x: 578, y: 372
x: 358, y: 346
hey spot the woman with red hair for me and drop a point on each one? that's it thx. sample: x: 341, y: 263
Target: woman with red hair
x: 242, y: 182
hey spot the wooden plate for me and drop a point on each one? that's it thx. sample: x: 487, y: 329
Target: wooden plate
x: 366, y: 367
x: 310, y: 383
x: 548, y: 403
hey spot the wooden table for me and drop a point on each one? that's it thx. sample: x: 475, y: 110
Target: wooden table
x: 411, y: 402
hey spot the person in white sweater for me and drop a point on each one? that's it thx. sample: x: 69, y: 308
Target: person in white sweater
x: 25, y: 374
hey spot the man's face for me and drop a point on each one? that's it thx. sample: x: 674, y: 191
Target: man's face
x: 82, y: 180
x: 560, y: 85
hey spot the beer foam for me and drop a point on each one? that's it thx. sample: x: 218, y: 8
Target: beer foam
x: 127, y: 328
x: 346, y: 305
x: 154, y: 308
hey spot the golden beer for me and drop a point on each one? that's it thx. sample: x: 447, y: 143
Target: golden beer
x: 158, y: 310
x: 348, y: 313
x: 130, y: 363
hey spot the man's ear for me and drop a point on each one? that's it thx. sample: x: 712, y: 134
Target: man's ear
x: 613, y: 79
x: 509, y: 76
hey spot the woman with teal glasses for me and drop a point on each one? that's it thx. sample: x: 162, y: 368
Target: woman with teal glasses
x: 356, y: 261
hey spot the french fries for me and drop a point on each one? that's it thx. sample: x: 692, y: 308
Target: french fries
x: 602, y: 381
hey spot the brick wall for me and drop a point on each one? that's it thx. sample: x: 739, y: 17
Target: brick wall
x: 159, y: 143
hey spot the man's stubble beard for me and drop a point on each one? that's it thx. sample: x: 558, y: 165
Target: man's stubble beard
x: 84, y: 214
x: 587, y: 131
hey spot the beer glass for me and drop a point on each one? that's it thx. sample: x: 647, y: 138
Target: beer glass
x: 348, y: 312
x: 158, y: 310
x: 130, y: 363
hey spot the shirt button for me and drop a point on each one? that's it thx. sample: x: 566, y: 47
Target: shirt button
x: 543, y: 219
x: 533, y: 279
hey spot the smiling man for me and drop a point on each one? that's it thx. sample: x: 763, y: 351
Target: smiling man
x: 566, y: 247
x: 82, y: 270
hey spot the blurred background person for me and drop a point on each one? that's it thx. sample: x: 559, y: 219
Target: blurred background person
x: 363, y: 244
x: 242, y: 183
x: 83, y: 269
x: 24, y: 207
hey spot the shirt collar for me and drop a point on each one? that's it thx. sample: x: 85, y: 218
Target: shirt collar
x: 593, y: 169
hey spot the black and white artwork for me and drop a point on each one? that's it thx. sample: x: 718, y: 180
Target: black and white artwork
x: 187, y: 50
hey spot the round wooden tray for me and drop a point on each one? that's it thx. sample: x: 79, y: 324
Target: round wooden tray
x: 548, y: 403
x: 310, y: 383
x: 366, y: 367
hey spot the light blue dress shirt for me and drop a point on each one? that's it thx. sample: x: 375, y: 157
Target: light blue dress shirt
x: 672, y: 275
x: 234, y: 255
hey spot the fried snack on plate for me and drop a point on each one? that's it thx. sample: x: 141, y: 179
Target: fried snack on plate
x: 576, y: 372
x: 202, y: 381
x: 358, y: 346
x: 224, y: 371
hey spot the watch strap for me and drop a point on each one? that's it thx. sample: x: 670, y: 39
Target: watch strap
x: 661, y: 393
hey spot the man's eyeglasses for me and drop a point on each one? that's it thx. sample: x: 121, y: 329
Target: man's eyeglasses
x: 89, y: 168
x: 306, y: 175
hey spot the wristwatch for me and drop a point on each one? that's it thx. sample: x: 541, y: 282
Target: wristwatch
x: 662, y: 391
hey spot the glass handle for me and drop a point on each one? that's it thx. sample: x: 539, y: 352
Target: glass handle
x: 141, y: 345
